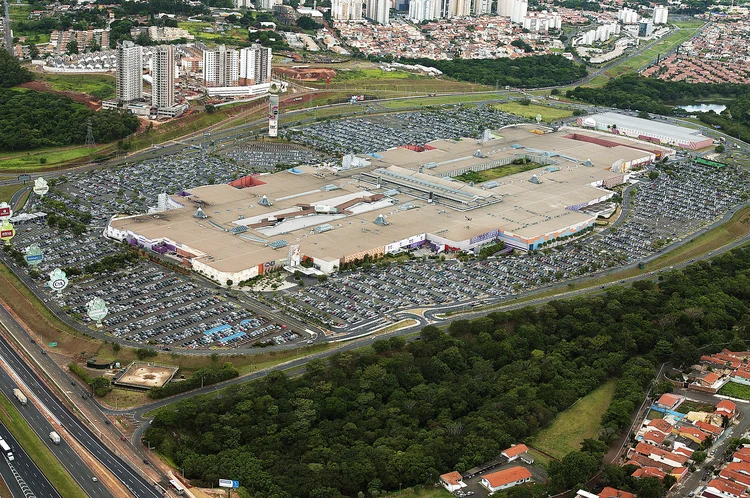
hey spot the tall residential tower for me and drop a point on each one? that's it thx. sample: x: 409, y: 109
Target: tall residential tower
x: 129, y: 77
x: 162, y: 74
x: 255, y: 65
x: 220, y: 67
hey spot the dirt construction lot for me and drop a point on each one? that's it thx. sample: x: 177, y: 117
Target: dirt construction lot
x: 145, y: 375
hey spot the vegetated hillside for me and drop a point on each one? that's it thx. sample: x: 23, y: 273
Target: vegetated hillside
x: 396, y: 414
x: 524, y: 72
x: 11, y: 71
x: 30, y: 119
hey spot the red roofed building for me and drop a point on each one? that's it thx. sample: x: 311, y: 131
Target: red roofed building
x: 615, y: 493
x: 515, y: 451
x: 727, y: 408
x: 661, y: 425
x: 649, y: 472
x: 643, y: 461
x: 724, y: 488
x: 743, y: 468
x: 734, y: 476
x: 505, y: 479
x: 742, y: 376
x: 452, y: 481
x: 654, y: 438
x: 741, y: 457
x: 712, y: 429
x: 707, y: 380
x: 670, y: 401
x: 683, y: 450
x: 691, y: 433
x: 660, y: 455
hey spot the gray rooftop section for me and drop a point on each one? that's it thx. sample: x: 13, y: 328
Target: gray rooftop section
x: 648, y: 125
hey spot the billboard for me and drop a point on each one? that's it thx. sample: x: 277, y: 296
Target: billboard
x: 491, y: 235
x: 7, y: 231
x: 228, y: 483
x: 273, y: 116
x: 5, y: 211
x: 395, y: 246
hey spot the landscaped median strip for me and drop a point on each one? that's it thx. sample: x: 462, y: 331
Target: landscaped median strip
x: 36, y: 449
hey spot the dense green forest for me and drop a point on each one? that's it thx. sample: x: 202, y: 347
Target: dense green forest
x: 396, y: 414
x: 30, y: 119
x: 11, y: 71
x: 525, y: 72
x: 658, y: 96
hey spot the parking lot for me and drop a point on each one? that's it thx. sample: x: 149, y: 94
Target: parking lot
x: 268, y: 157
x: 377, y: 133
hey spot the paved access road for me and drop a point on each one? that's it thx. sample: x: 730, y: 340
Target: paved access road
x: 131, y: 479
x: 23, y: 477
x: 72, y: 462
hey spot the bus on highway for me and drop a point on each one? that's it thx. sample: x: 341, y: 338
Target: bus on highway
x: 177, y: 486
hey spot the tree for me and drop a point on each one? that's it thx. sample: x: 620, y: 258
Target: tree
x: 719, y: 149
x: 699, y: 456
x: 33, y: 51
x: 11, y: 71
x: 101, y: 386
x: 143, y: 39
x: 653, y: 175
x: 72, y: 47
x: 644, y: 115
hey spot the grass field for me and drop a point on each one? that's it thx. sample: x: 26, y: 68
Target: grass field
x: 55, y: 156
x: 7, y: 191
x: 735, y: 390
x: 495, y: 173
x: 38, y: 451
x: 420, y: 492
x: 101, y: 86
x: 530, y: 111
x: 372, y: 74
x: 693, y: 406
x: 581, y: 421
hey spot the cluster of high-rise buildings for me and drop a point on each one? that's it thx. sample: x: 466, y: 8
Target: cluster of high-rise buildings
x: 223, y: 67
x: 424, y: 10
x: 129, y: 81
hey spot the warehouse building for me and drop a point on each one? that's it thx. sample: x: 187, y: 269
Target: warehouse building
x: 646, y: 129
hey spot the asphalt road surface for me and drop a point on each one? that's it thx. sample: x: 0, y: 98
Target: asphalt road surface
x: 77, y: 469
x: 138, y: 485
x: 27, y: 480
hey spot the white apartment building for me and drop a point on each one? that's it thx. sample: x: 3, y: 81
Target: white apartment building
x: 482, y: 7
x: 162, y: 75
x: 420, y: 10
x: 661, y: 13
x: 379, y: 11
x: 346, y: 10
x: 627, y: 16
x: 129, y: 74
x: 541, y: 22
x: 221, y: 67
x: 515, y: 9
x: 255, y: 65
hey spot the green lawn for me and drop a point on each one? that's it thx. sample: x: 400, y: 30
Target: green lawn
x: 7, y: 191
x: 32, y: 160
x: 420, y: 492
x: 441, y: 100
x: 530, y: 111
x: 692, y: 406
x: 495, y: 173
x: 38, y: 451
x: 371, y: 74
x: 101, y: 86
x: 735, y: 390
x: 581, y: 421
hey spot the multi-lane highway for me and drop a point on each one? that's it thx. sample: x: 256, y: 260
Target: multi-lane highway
x: 138, y: 485
x: 39, y: 422
x: 22, y: 476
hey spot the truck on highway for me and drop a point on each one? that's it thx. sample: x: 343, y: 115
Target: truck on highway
x: 20, y: 396
x: 6, y: 450
x: 54, y: 437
